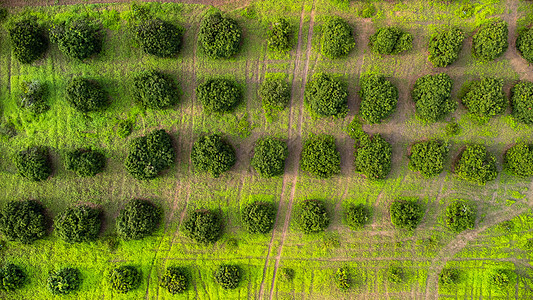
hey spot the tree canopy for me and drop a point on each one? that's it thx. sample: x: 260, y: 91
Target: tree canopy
x: 34, y: 163
x: 219, y: 36
x: 460, y: 216
x: 490, y: 41
x: 159, y: 38
x: 78, y: 224
x: 320, y: 156
x: 475, y: 164
x: 269, y: 157
x: 279, y: 36
x: 86, y: 95
x: 219, y: 95
x: 203, y: 226
x: 406, y: 213
x: 78, y: 39
x: 155, y: 90
x: 484, y: 98
x: 428, y: 157
x: 313, y: 216
x: 337, y: 38
x: 259, y: 217
x: 519, y: 160
x: 378, y: 98
x: 432, y: 95
x: 373, y: 157
x: 138, y: 219
x: 326, y: 96
x: 211, y: 153
x: 390, y: 40
x: 28, y: 40
x: 23, y: 221
x: 522, y: 102
x: 444, y: 47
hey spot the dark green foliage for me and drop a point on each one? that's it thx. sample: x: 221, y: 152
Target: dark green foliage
x: 269, y: 157
x: 326, y: 96
x: 258, y: 217
x: 337, y: 38
x: 279, y: 36
x: 228, y: 276
x: 175, y: 280
x: 219, y: 37
x: 378, y: 98
x: 428, y: 157
x: 287, y: 274
x: 23, y: 221
x: 85, y: 163
x: 485, y: 98
x: 320, y: 156
x: 460, y: 216
x: 275, y: 93
x: 449, y: 277
x: 519, y: 160
x: 125, y: 127
x: 85, y: 95
x: 138, y: 219
x: 64, y: 281
x: 503, y: 279
x: 159, y: 38
x: 28, y: 41
x: 395, y: 274
x: 33, y: 97
x: 313, y: 216
x: 203, y: 226
x: 406, y: 213
x: 3, y: 14
x: 390, y: 40
x: 219, y: 95
x: 11, y: 277
x: 124, y: 279
x: 445, y: 46
x: 155, y: 90
x: 432, y: 95
x: 34, y: 163
x: 475, y: 164
x: 78, y: 224
x: 150, y: 154
x: 522, y: 102
x: 356, y: 216
x: 524, y: 44
x: 490, y: 41
x: 212, y: 154
x: 79, y: 39
x: 452, y: 128
x: 373, y: 157
x: 342, y: 278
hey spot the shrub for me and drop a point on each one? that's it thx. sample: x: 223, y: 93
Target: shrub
x: 287, y: 274
x: 485, y: 98
x: 445, y: 46
x: 490, y: 41
x: 86, y: 163
x: 275, y: 93
x: 390, y: 40
x: 155, y: 90
x: 11, y: 277
x: 149, y: 155
x: 475, y: 164
x: 219, y: 37
x: 219, y: 95
x: 378, y: 98
x: 428, y: 157
x: 406, y: 213
x: 228, y: 276
x: 357, y: 216
x: 326, y: 96
x: 23, y: 221
x: 79, y: 39
x: 125, y: 278
x: 258, y: 217
x: 395, y: 274
x: 175, y: 280
x: 85, y: 95
x: 524, y: 44
x: 449, y: 277
x: 78, y: 224
x: 28, y: 41
x: 203, y: 226
x: 373, y: 157
x: 313, y: 216
x: 279, y: 36
x: 452, y: 128
x: 159, y: 38
x: 432, y: 95
x: 212, y: 154
x: 522, y: 102
x: 519, y: 160
x: 125, y: 127
x: 503, y: 279
x: 320, y: 156
x: 460, y: 216
x: 138, y: 219
x: 33, y: 97
x: 342, y: 278
x: 269, y: 157
x: 64, y: 281
x: 337, y: 38
x: 34, y: 163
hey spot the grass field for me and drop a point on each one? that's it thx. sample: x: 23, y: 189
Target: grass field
x: 315, y: 258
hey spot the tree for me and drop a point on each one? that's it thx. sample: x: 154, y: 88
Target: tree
x: 23, y: 221
x: 326, y: 96
x: 34, y: 163
x: 28, y: 40
x: 460, y: 216
x: 203, y: 226
x: 78, y: 39
x: 12, y: 277
x: 406, y: 213
x: 125, y: 278
x: 258, y: 217
x: 519, y: 159
x: 449, y: 276
x: 159, y: 38
x: 138, y: 219
x: 175, y: 280
x: 33, y: 97
x: 149, y: 155
x: 228, y: 276
x: 155, y: 90
x: 337, y: 38
x: 78, y: 224
x: 269, y: 157
x: 490, y: 41
x: 373, y: 157
x: 279, y: 36
x: 432, y: 95
x: 313, y: 216
x: 524, y: 44
x: 522, y: 102
x: 86, y: 163
x: 390, y: 40
x: 444, y: 47
x: 287, y: 274
x: 85, y: 95
x: 396, y: 274
x: 485, y: 98
x: 275, y: 93
x: 219, y: 95
x: 342, y: 278
x: 428, y: 157
x: 64, y: 281
x: 356, y: 216
x: 503, y: 278
x: 212, y: 154
x: 219, y: 37
x: 378, y: 98
x: 475, y: 164
x: 320, y: 156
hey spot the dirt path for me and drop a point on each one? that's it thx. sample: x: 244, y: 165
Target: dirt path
x: 22, y: 3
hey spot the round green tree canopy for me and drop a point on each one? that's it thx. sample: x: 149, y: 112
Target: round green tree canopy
x: 378, y: 98
x: 219, y: 36
x: 279, y: 36
x: 124, y: 279
x: 390, y: 40
x: 519, y: 159
x: 175, y: 280
x: 258, y: 217
x: 490, y: 41
x: 428, y: 157
x: 78, y: 39
x: 212, y: 154
x: 23, y: 221
x: 460, y: 216
x: 475, y: 164
x: 444, y: 47
x: 275, y: 93
x: 159, y: 38
x: 524, y: 44
x: 203, y: 226
x: 320, y: 156
x: 406, y: 213
x: 432, y: 95
x: 138, y: 219
x: 485, y: 98
x: 155, y: 90
x: 28, y: 40
x: 85, y: 95
x: 78, y: 224
x: 269, y: 157
x: 337, y: 38
x: 313, y: 216
x: 64, y: 281
x: 326, y: 96
x: 86, y: 163
x: 34, y: 163
x: 219, y: 95
x: 373, y: 157
x: 356, y: 216
x: 522, y: 102
x: 228, y: 276
x: 12, y: 277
